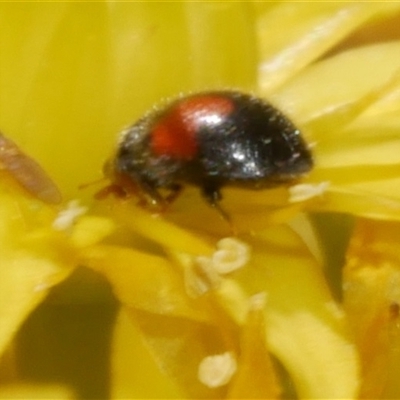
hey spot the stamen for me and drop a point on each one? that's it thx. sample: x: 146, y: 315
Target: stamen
x: 66, y: 218
x: 217, y: 370
x: 306, y: 191
x: 231, y: 255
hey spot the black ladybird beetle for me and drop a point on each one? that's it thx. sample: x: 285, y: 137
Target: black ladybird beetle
x: 210, y: 140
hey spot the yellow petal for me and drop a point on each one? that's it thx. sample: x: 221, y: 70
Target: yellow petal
x: 36, y: 392
x: 159, y: 230
x: 171, y: 349
x: 133, y: 380
x: 347, y: 200
x: 144, y: 281
x: 371, y: 300
x: 256, y: 377
x: 338, y: 80
x: 305, y: 328
x: 33, y: 259
x: 291, y: 35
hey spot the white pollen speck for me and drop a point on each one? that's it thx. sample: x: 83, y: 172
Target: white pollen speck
x: 305, y: 191
x: 217, y: 370
x: 231, y: 255
x: 67, y: 217
x: 202, y: 278
x: 258, y: 301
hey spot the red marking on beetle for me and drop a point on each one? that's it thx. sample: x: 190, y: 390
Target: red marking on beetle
x: 175, y: 132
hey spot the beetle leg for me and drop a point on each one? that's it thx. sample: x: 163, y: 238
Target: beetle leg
x: 213, y: 196
x: 158, y: 200
x: 175, y: 191
x: 150, y: 197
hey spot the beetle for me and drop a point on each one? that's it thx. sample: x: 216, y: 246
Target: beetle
x: 210, y: 140
x: 27, y: 172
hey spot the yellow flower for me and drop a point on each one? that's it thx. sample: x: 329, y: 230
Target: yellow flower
x: 205, y: 315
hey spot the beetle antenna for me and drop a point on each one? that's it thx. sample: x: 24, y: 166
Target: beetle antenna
x: 92, y: 183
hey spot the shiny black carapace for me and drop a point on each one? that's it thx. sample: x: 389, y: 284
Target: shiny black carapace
x: 210, y: 140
